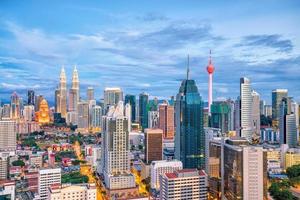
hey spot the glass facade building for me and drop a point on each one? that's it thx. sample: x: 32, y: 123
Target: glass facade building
x: 131, y: 99
x: 221, y: 116
x: 143, y: 111
x: 190, y: 136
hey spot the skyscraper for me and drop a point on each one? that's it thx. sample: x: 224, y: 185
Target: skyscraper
x: 131, y: 99
x: 153, y: 119
x: 143, y: 111
x: 112, y: 96
x: 221, y: 116
x: 256, y: 112
x: 115, y: 162
x: 8, y: 135
x: 74, y: 94
x: 287, y: 124
x: 90, y: 93
x: 48, y: 177
x: 277, y: 96
x: 128, y: 115
x: 153, y: 145
x: 83, y: 116
x: 246, y: 109
x: 210, y: 69
x: 166, y: 120
x: 190, y: 137
x: 15, y: 106
x: 61, y: 94
x: 96, y: 116
x: 30, y: 97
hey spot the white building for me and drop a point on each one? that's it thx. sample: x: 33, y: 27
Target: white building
x: 256, y: 112
x: 115, y: 154
x: 71, y: 118
x: 160, y: 167
x: 7, y: 189
x: 128, y: 115
x: 96, y: 116
x: 72, y: 192
x: 8, y: 135
x: 183, y: 185
x: 246, y: 109
x: 83, y: 116
x: 48, y: 177
x: 112, y: 96
x: 153, y: 119
x: 28, y: 113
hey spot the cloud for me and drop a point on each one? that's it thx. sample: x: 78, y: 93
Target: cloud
x: 272, y: 41
x: 153, y: 16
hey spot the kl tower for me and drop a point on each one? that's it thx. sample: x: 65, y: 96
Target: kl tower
x: 210, y: 69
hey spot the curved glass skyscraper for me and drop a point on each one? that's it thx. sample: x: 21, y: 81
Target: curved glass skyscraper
x: 190, y: 136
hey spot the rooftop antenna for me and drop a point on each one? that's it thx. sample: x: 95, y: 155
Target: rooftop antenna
x: 188, y: 68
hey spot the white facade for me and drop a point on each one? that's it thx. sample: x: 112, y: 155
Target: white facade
x: 112, y: 96
x: 253, y: 173
x: 71, y: 118
x: 115, y: 157
x: 184, y: 184
x: 256, y: 112
x: 73, y: 192
x: 8, y: 135
x: 96, y: 116
x: 48, y: 177
x: 158, y: 168
x: 28, y: 113
x: 153, y: 119
x: 83, y: 115
x: 7, y: 189
x: 128, y: 115
x: 246, y: 109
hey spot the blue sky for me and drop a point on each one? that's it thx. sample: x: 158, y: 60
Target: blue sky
x: 142, y: 45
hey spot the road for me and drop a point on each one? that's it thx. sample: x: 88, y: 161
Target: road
x: 138, y: 181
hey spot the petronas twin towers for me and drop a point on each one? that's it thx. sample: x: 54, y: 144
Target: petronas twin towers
x: 61, y: 93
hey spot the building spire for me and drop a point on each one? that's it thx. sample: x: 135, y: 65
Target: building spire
x: 188, y: 67
x: 210, y: 56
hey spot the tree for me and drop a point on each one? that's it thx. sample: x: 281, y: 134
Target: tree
x: 18, y: 163
x: 293, y: 171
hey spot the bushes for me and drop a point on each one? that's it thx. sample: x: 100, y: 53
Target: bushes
x: 74, y: 178
x: 18, y: 163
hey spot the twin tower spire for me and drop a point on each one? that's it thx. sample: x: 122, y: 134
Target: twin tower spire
x: 75, y: 78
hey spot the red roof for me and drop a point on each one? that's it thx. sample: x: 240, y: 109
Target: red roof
x: 171, y: 175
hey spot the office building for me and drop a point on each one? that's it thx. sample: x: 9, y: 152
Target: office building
x: 128, y: 115
x: 6, y: 111
x: 153, y: 145
x: 244, y: 171
x: 4, y: 165
x: 28, y: 113
x: 221, y: 116
x: 153, y: 119
x: 15, y: 110
x: 256, y: 112
x: 268, y: 110
x: 30, y: 97
x: 143, y: 110
x: 246, y: 122
x: 61, y: 95
x: 292, y: 157
x: 190, y: 137
x: 131, y: 99
x: 112, y: 96
x: 71, y: 118
x: 287, y: 124
x: 184, y: 184
x: 277, y: 96
x: 96, y: 116
x: 166, y: 120
x: 8, y: 135
x: 160, y: 167
x: 83, y: 116
x: 90, y: 93
x: 115, y: 163
x: 48, y: 177
x: 73, y: 192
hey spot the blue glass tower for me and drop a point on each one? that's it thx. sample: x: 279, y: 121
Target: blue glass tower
x: 190, y: 136
x: 143, y: 111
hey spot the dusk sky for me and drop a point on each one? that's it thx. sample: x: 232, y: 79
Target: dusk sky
x: 142, y: 46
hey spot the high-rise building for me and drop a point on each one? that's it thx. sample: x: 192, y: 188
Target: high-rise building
x: 128, y: 115
x: 38, y: 100
x: 221, y: 116
x: 237, y: 115
x: 90, y: 93
x: 8, y: 135
x: 131, y: 99
x: 73, y: 192
x: 262, y: 105
x: 160, y: 167
x: 210, y: 69
x: 277, y: 96
x: 61, y: 95
x: 268, y: 110
x: 256, y: 112
x: 166, y: 120
x: 4, y: 166
x: 246, y: 109
x: 28, y: 113
x: 43, y: 116
x: 184, y: 184
x: 112, y: 96
x: 83, y: 115
x: 189, y: 137
x: 8, y: 188
x: 48, y: 177
x: 30, y: 97
x: 287, y: 124
x: 153, y: 145
x: 244, y: 171
x: 74, y: 94
x: 153, y: 119
x: 115, y: 162
x: 15, y: 106
x: 96, y: 116
x: 6, y: 111
x: 143, y: 111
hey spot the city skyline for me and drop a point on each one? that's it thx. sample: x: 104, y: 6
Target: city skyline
x: 142, y: 48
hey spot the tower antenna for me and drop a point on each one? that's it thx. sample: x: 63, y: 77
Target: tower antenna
x: 188, y: 67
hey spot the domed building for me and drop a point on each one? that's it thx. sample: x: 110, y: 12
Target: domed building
x: 42, y: 116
